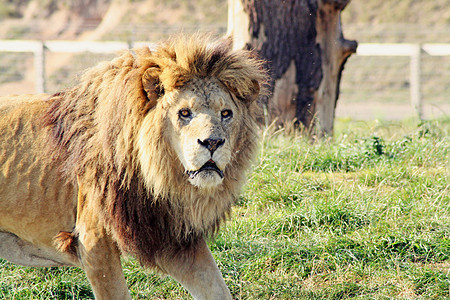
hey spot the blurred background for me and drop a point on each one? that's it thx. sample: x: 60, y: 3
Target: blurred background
x: 372, y: 87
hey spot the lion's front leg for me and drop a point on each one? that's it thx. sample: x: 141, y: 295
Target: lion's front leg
x: 198, y: 274
x: 98, y: 254
x: 100, y: 259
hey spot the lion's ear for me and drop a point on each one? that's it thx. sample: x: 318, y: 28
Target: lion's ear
x: 247, y: 95
x: 254, y: 92
x: 152, y: 85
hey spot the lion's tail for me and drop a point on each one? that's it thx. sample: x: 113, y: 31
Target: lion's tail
x: 66, y: 242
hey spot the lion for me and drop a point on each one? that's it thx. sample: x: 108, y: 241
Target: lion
x: 145, y: 156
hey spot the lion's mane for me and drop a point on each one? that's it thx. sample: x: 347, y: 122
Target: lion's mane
x: 150, y: 209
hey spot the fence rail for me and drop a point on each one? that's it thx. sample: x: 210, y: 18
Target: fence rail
x: 414, y: 51
x: 39, y: 49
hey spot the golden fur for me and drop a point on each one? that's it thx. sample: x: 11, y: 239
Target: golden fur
x: 119, y: 138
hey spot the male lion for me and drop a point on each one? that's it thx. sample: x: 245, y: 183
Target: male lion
x: 144, y: 156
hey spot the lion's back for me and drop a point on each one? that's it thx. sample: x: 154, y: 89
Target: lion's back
x: 8, y: 103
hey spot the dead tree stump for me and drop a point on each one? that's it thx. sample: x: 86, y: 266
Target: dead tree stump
x: 303, y: 43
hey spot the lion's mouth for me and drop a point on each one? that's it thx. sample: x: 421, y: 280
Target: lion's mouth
x: 210, y: 165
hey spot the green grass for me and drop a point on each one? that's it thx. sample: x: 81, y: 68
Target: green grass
x: 365, y: 215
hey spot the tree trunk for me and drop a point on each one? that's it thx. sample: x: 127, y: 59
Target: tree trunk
x: 306, y: 52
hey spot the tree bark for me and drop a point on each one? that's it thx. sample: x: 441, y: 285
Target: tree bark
x: 305, y: 49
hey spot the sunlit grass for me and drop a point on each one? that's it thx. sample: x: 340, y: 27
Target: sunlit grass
x: 365, y: 215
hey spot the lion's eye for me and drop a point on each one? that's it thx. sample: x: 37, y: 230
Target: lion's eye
x: 185, y: 113
x: 226, y: 113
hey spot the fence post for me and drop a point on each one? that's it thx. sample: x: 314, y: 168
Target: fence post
x: 39, y: 67
x: 414, y: 81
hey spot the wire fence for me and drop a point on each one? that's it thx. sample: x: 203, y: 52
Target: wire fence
x: 390, y: 83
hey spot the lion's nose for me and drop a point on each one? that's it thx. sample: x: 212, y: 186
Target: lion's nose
x: 211, y: 144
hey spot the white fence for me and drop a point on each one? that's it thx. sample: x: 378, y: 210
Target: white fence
x: 39, y: 48
x: 414, y: 51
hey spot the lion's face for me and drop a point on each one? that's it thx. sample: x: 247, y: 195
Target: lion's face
x: 203, y: 119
